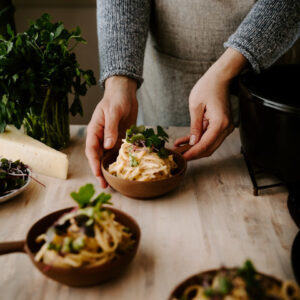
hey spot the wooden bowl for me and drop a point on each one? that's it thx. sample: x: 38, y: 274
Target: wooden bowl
x: 82, y: 276
x: 142, y: 189
x: 197, y: 279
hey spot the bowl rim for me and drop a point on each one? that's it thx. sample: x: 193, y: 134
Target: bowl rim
x: 116, y: 211
x: 183, y: 283
x: 115, y: 152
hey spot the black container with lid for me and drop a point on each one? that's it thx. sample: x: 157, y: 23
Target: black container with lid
x: 270, y: 132
x: 270, y: 120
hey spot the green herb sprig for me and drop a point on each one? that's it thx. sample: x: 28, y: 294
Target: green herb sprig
x: 85, y: 194
x: 89, y: 208
x: 38, y: 69
x: 146, y: 137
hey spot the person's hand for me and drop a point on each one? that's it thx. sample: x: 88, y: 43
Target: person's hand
x: 210, y: 107
x: 116, y: 111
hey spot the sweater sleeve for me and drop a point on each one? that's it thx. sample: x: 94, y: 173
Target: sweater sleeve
x: 267, y: 32
x: 122, y: 32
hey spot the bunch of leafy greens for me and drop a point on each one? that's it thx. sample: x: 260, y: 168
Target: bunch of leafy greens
x: 146, y: 137
x: 13, y: 175
x: 38, y: 69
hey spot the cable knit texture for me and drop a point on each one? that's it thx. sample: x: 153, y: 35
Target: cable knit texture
x: 270, y: 29
x: 122, y: 34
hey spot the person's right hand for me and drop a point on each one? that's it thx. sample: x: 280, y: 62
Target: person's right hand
x: 116, y: 112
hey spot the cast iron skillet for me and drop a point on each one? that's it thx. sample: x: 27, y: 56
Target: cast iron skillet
x: 74, y: 276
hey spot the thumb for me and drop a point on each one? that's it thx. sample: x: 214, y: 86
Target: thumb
x: 196, y: 114
x: 111, y: 130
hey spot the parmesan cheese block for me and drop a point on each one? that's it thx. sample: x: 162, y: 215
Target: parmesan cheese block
x: 39, y: 157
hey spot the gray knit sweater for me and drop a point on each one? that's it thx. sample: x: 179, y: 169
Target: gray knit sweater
x: 270, y: 29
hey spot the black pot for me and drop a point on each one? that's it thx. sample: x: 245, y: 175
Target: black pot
x: 270, y: 120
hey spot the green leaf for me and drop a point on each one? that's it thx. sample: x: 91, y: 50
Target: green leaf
x: 10, y: 31
x: 84, y: 195
x: 133, y: 161
x: 58, y: 31
x: 225, y: 286
x: 163, y: 153
x: 162, y: 133
x: 101, y: 199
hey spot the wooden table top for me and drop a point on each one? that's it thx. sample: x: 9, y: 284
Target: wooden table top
x: 212, y: 219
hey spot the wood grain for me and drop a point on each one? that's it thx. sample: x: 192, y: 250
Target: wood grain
x: 212, y: 219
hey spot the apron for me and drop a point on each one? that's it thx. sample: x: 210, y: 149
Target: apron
x: 185, y: 39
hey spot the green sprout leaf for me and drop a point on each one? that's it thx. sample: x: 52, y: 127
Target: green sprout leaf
x: 101, y: 199
x: 140, y: 136
x: 84, y: 195
x: 132, y: 160
x: 225, y: 286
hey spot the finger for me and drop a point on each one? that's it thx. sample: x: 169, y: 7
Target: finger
x: 102, y: 182
x: 94, y: 153
x: 196, y: 114
x: 205, y: 124
x: 207, y: 142
x: 211, y: 141
x: 111, y: 130
x: 182, y: 140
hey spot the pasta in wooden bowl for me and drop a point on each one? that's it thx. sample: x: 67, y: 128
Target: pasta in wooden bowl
x: 143, y: 168
x: 84, y: 245
x: 235, y: 284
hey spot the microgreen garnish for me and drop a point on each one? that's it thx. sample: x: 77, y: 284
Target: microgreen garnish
x: 132, y: 160
x: 253, y: 286
x: 13, y: 175
x: 84, y: 197
x: 146, y: 137
x: 89, y: 208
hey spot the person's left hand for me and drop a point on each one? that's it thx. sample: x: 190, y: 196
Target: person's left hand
x: 210, y: 116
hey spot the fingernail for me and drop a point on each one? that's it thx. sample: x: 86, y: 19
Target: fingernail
x: 192, y: 140
x: 108, y: 143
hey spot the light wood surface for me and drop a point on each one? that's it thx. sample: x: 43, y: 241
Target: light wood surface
x: 212, y: 219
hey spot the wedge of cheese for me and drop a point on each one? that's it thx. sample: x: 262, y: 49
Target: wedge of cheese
x: 39, y: 157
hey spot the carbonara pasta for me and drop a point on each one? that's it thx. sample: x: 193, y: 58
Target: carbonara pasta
x: 141, y: 164
x: 235, y: 284
x: 88, y: 236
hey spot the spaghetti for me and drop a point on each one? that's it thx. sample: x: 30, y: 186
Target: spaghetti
x: 141, y: 164
x: 241, y: 284
x: 87, y: 236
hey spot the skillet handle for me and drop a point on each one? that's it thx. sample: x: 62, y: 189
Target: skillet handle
x: 182, y: 148
x: 10, y: 247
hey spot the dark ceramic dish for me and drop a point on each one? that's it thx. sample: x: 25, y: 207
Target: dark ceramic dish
x: 141, y: 189
x: 83, y: 276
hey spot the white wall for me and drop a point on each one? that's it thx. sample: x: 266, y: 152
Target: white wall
x: 73, y: 13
